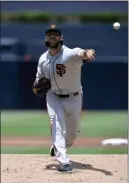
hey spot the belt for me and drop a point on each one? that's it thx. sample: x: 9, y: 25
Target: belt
x: 68, y: 95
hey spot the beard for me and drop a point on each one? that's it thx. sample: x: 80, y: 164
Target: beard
x: 54, y: 45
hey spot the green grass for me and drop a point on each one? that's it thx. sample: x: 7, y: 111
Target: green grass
x: 104, y: 124
x: 24, y: 150
x: 30, y: 150
x: 99, y: 150
x: 36, y: 123
x: 24, y: 123
x: 47, y: 17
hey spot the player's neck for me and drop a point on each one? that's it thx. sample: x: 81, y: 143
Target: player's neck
x: 54, y: 51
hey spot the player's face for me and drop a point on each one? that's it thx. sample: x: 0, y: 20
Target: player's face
x: 54, y: 39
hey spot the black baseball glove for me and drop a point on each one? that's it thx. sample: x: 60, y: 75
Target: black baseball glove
x: 41, y: 86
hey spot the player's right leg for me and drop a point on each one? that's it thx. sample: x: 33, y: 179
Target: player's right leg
x: 57, y: 116
x: 52, y: 147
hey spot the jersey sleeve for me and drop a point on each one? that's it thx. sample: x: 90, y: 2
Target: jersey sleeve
x: 39, y: 73
x: 75, y: 55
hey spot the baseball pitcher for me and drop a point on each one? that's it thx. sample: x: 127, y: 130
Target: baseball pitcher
x: 58, y: 78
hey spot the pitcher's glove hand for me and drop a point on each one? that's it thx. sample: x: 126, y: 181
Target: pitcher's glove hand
x: 41, y: 86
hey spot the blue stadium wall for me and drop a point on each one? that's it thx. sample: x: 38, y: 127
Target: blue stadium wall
x: 105, y: 81
x: 105, y: 86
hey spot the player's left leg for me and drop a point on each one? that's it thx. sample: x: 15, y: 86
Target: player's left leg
x: 73, y: 120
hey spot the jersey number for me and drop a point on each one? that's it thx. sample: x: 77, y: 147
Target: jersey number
x: 60, y: 69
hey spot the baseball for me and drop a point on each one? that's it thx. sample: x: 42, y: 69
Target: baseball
x: 116, y: 25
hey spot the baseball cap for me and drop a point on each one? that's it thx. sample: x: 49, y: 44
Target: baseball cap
x: 53, y: 28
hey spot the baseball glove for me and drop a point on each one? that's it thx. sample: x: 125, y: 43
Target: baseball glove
x: 41, y: 86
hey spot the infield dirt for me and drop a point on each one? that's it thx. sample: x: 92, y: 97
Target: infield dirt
x: 43, y: 169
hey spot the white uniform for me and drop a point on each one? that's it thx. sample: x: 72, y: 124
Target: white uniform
x: 64, y: 72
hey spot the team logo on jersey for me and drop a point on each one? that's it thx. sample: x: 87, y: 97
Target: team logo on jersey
x: 60, y: 69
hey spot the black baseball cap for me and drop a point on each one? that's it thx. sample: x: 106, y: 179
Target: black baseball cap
x: 53, y: 28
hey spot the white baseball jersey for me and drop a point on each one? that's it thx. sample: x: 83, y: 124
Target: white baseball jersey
x: 63, y: 70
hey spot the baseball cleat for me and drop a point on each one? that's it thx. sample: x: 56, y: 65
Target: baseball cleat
x: 52, y: 151
x: 66, y: 168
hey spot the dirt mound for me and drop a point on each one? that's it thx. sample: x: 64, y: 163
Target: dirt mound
x: 46, y: 141
x: 42, y: 168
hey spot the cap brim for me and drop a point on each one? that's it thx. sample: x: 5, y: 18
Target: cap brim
x: 53, y: 30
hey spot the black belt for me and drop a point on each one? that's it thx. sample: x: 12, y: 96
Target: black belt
x: 68, y: 95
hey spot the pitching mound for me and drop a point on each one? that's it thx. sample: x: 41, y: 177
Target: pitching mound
x: 42, y: 169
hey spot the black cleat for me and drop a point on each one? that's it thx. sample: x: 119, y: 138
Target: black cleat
x: 66, y: 168
x: 52, y: 151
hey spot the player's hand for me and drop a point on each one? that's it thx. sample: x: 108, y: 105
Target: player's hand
x: 90, y: 54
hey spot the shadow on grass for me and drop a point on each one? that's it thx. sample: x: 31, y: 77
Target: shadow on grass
x: 81, y: 166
